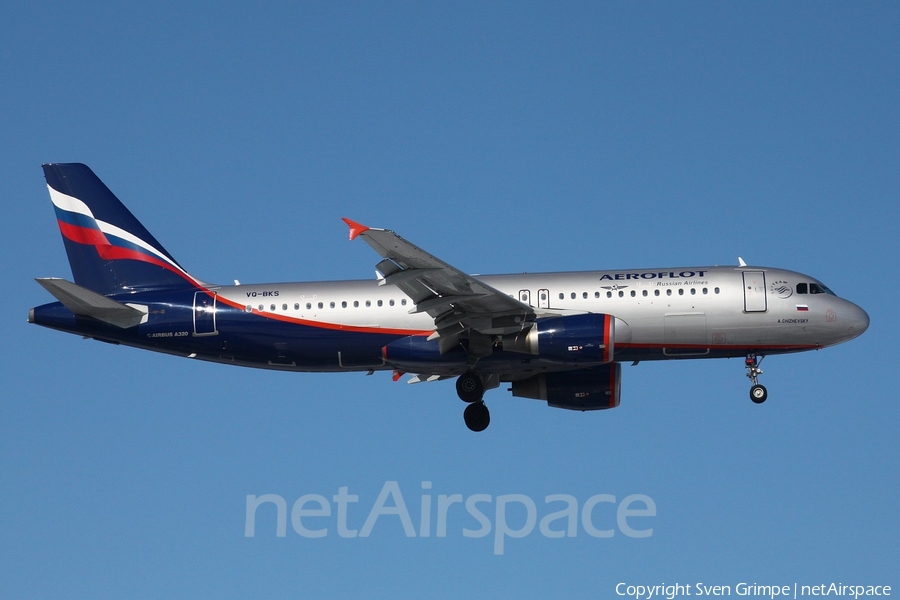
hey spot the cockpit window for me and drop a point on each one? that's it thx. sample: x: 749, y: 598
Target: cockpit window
x: 813, y: 288
x: 818, y: 288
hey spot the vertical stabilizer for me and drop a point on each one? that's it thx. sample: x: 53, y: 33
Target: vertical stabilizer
x: 109, y: 250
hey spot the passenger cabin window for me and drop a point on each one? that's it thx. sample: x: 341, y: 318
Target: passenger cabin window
x: 562, y: 296
x: 321, y: 305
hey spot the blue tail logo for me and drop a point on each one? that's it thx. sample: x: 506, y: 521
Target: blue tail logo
x: 109, y: 250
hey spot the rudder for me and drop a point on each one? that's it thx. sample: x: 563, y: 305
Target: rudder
x: 108, y: 248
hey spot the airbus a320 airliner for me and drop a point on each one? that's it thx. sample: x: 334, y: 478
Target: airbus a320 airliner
x: 557, y: 337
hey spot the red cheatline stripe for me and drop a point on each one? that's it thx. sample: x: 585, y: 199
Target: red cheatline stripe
x: 95, y: 237
x: 632, y: 345
x: 322, y: 325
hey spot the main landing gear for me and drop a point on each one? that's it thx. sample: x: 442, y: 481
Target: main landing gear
x: 470, y: 388
x: 758, y: 392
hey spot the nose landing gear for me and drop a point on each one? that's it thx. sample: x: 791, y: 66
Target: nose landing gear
x: 758, y: 393
x: 470, y: 388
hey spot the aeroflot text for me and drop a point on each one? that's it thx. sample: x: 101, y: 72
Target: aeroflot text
x: 514, y: 515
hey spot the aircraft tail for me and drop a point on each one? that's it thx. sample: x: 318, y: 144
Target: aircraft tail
x: 109, y: 250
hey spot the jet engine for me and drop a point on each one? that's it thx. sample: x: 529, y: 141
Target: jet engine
x: 588, y: 389
x: 588, y: 338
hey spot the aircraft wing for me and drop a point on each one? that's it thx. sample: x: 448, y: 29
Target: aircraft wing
x: 459, y: 303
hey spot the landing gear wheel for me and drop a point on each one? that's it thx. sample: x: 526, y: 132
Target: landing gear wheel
x: 758, y: 394
x: 470, y: 388
x: 477, y: 416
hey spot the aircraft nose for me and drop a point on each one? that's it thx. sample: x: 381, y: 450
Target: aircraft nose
x: 858, y: 320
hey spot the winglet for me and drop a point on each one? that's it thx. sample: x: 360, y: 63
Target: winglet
x: 355, y: 228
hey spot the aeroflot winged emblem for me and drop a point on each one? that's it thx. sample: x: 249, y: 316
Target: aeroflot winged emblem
x: 782, y: 289
x: 551, y: 336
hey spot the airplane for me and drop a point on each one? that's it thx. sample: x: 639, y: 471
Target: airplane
x: 557, y: 337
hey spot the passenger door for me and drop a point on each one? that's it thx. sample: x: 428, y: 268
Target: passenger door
x: 754, y: 291
x: 205, y: 313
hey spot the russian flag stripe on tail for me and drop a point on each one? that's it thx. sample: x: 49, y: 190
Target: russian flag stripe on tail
x: 108, y: 248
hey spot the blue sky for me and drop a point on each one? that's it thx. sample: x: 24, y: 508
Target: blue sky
x: 503, y: 138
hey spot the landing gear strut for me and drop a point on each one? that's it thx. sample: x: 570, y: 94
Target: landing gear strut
x: 758, y: 392
x: 470, y: 388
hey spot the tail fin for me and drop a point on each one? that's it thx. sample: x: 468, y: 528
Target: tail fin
x: 109, y: 250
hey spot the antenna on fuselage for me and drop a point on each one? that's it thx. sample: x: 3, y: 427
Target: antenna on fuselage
x: 741, y: 262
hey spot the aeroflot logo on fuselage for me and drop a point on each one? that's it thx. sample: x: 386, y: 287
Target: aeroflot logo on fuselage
x: 653, y: 275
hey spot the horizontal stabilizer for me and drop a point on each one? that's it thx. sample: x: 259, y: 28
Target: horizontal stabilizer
x: 86, y: 303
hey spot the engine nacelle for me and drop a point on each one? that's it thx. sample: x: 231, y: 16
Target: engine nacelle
x: 590, y: 389
x: 588, y: 338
